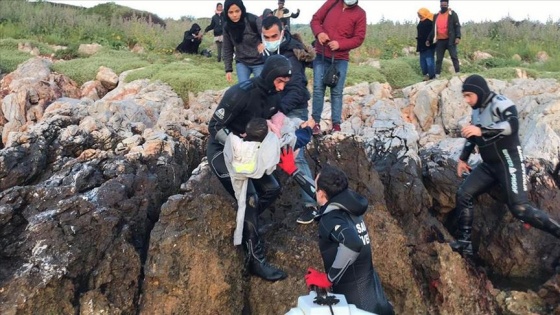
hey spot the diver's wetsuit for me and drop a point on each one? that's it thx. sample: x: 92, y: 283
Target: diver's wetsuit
x: 346, y: 250
x: 502, y: 164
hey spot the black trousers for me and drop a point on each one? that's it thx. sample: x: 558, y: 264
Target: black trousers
x: 441, y: 46
x: 261, y: 192
x: 510, y: 175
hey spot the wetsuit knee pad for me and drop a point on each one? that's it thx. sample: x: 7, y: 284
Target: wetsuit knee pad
x: 524, y: 212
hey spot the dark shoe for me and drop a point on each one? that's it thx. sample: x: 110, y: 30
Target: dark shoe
x: 335, y: 128
x: 462, y: 247
x: 307, y: 215
x: 258, y: 265
x: 317, y: 130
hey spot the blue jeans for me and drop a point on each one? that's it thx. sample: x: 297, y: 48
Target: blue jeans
x: 244, y: 71
x: 301, y: 162
x: 319, y: 67
x: 427, y: 63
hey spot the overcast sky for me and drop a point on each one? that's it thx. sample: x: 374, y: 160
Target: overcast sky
x: 396, y: 10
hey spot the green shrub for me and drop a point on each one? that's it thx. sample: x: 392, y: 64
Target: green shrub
x: 71, y: 52
x: 10, y: 59
x: 507, y: 73
x: 498, y: 63
x: 399, y: 73
x: 357, y: 74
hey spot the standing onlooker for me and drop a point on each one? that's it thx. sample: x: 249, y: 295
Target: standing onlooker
x: 284, y: 14
x: 295, y: 96
x: 191, y: 41
x: 339, y: 27
x: 241, y: 37
x: 424, y: 28
x: 447, y: 34
x: 217, y: 25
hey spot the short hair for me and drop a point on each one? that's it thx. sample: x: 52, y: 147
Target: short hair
x: 256, y: 130
x: 270, y: 21
x: 218, y: 4
x: 332, y: 181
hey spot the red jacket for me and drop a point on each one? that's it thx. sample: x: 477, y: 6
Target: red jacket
x: 347, y: 26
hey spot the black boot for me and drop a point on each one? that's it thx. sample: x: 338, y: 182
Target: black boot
x: 254, y: 259
x: 463, y: 244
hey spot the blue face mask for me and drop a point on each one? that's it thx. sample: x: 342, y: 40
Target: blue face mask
x: 272, y: 46
x: 350, y: 2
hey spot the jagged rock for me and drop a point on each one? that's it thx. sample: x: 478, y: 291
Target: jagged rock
x: 480, y: 55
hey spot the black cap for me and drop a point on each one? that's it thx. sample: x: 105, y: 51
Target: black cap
x: 477, y: 85
x: 276, y: 66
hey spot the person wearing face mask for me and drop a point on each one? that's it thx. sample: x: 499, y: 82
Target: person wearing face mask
x: 494, y: 130
x: 242, y: 38
x: 339, y: 26
x: 344, y: 241
x: 446, y: 34
x: 216, y: 24
x: 254, y: 98
x: 295, y: 97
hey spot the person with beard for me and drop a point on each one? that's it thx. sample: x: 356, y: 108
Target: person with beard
x: 446, y: 33
x: 339, y: 27
x: 344, y: 241
x: 241, y: 38
x: 295, y: 97
x: 423, y: 29
x: 494, y: 130
x: 216, y: 24
x: 254, y: 98
x: 191, y: 41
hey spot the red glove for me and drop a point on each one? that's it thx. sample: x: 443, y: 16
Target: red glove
x: 317, y: 278
x: 287, y: 161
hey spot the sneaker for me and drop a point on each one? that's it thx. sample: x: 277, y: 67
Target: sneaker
x: 307, y: 216
x: 316, y: 130
x: 335, y: 128
x: 437, y: 76
x: 426, y: 77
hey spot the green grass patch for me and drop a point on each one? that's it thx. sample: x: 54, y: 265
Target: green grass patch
x: 399, y: 73
x: 358, y: 74
x: 10, y: 59
x: 507, y: 73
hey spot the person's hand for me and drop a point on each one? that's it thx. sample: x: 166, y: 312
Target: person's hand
x: 297, y: 11
x: 333, y: 45
x: 428, y: 43
x: 317, y: 278
x: 287, y: 162
x: 260, y: 48
x: 471, y: 130
x: 323, y: 38
x: 457, y: 41
x: 228, y: 77
x: 462, y: 167
x: 310, y: 123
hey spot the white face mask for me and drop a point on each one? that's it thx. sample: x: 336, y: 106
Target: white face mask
x: 350, y: 2
x: 272, y: 46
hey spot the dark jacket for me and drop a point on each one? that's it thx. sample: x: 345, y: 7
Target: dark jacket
x: 190, y: 42
x: 424, y: 28
x: 295, y: 94
x: 241, y: 103
x: 246, y: 51
x: 345, y: 247
x: 453, y: 27
x: 285, y: 16
x: 347, y: 26
x: 217, y: 24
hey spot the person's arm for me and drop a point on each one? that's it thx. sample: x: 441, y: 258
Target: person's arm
x: 430, y: 39
x: 295, y: 15
x: 211, y: 26
x: 357, y: 38
x: 457, y: 25
x: 227, y: 52
x: 468, y: 148
x: 287, y: 164
x: 295, y: 91
x: 349, y: 245
x: 228, y: 109
x: 319, y: 17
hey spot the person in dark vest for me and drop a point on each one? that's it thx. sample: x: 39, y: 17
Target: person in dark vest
x: 446, y: 34
x: 217, y: 24
x: 494, y: 130
x: 253, y: 98
x: 191, y: 41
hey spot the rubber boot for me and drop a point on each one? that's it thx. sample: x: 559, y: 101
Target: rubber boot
x: 463, y: 244
x: 254, y: 256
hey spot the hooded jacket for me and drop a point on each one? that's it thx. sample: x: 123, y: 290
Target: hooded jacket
x: 190, y: 43
x: 295, y: 94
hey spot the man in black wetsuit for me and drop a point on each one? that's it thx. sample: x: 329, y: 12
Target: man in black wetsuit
x: 254, y: 98
x: 494, y: 129
x: 343, y: 238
